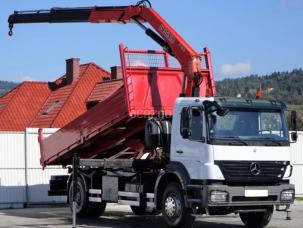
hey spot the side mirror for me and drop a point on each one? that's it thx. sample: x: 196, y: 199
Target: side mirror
x: 213, y: 106
x: 223, y: 111
x: 294, y: 136
x: 293, y: 120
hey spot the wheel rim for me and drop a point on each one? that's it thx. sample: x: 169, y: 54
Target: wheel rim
x: 173, y: 206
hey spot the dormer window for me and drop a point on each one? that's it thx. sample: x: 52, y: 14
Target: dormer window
x: 52, y: 107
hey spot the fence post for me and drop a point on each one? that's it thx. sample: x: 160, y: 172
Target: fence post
x: 75, y: 186
x: 26, y: 169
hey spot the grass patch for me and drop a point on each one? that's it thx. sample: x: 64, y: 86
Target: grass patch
x: 299, y: 198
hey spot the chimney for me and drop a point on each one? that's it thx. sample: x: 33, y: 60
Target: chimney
x: 116, y: 72
x: 72, y: 70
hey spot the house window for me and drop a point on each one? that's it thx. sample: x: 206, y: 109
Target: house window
x: 52, y: 107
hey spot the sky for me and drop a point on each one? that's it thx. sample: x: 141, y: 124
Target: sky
x: 245, y: 37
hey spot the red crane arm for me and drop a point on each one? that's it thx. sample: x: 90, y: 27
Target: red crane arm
x: 189, y: 59
x: 186, y: 55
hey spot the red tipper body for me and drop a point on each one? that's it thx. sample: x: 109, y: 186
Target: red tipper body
x: 152, y: 80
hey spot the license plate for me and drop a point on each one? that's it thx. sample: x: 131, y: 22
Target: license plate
x: 256, y: 193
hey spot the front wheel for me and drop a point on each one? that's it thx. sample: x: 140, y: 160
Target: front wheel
x: 173, y: 208
x: 257, y: 219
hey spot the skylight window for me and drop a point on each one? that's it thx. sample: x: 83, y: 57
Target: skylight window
x: 52, y: 107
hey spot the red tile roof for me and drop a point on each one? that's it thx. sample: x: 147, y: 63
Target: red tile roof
x: 6, y: 98
x: 71, y: 99
x: 22, y: 104
x: 104, y: 89
x: 44, y: 105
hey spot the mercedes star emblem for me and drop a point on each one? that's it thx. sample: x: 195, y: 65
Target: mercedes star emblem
x: 255, y: 168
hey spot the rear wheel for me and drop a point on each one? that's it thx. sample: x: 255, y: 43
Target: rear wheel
x: 257, y: 219
x: 173, y: 208
x: 84, y: 208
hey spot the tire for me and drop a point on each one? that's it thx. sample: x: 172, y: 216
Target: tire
x: 84, y: 208
x: 143, y: 210
x: 173, y: 208
x: 257, y: 219
x: 96, y: 209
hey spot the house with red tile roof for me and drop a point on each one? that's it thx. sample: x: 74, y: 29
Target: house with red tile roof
x: 54, y: 104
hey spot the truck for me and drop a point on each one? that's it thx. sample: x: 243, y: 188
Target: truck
x: 162, y: 141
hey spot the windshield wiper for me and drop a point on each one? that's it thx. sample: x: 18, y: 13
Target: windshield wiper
x: 235, y: 139
x: 272, y: 141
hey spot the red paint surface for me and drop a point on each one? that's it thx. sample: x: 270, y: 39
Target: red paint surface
x: 146, y: 91
x: 189, y: 59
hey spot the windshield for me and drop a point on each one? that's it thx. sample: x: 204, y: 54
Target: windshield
x: 248, y: 125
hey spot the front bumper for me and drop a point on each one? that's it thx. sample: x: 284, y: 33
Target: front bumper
x: 237, y: 195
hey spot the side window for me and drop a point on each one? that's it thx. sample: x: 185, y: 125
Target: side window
x: 184, y: 123
x: 192, y: 123
x: 196, y: 124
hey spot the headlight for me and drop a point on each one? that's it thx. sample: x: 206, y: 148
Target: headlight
x: 218, y: 196
x: 288, y: 195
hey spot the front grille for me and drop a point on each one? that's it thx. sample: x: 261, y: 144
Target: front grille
x: 241, y: 171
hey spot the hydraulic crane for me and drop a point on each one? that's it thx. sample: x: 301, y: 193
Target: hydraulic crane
x: 165, y: 36
x: 205, y: 155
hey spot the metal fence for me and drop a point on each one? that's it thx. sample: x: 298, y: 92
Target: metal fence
x: 22, y: 180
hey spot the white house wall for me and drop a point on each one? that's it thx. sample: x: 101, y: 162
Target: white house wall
x: 22, y: 180
x: 38, y: 179
x: 12, y: 150
x: 38, y: 186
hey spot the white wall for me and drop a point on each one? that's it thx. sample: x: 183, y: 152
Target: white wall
x: 297, y: 162
x: 22, y: 180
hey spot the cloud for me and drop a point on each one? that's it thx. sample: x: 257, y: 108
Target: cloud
x: 28, y: 78
x: 235, y: 69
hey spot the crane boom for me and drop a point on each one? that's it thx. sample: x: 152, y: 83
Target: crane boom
x: 165, y: 35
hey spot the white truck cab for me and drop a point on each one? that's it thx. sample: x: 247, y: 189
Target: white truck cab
x: 236, y: 153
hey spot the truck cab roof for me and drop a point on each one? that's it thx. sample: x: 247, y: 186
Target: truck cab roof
x: 231, y: 102
x: 234, y: 102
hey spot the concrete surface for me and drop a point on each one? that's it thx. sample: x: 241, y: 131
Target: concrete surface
x: 121, y: 216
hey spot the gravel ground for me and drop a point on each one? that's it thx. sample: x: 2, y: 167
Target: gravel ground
x: 121, y: 216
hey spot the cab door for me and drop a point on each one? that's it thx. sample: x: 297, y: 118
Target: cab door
x: 189, y: 140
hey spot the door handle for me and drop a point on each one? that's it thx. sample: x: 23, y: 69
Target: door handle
x: 179, y: 152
